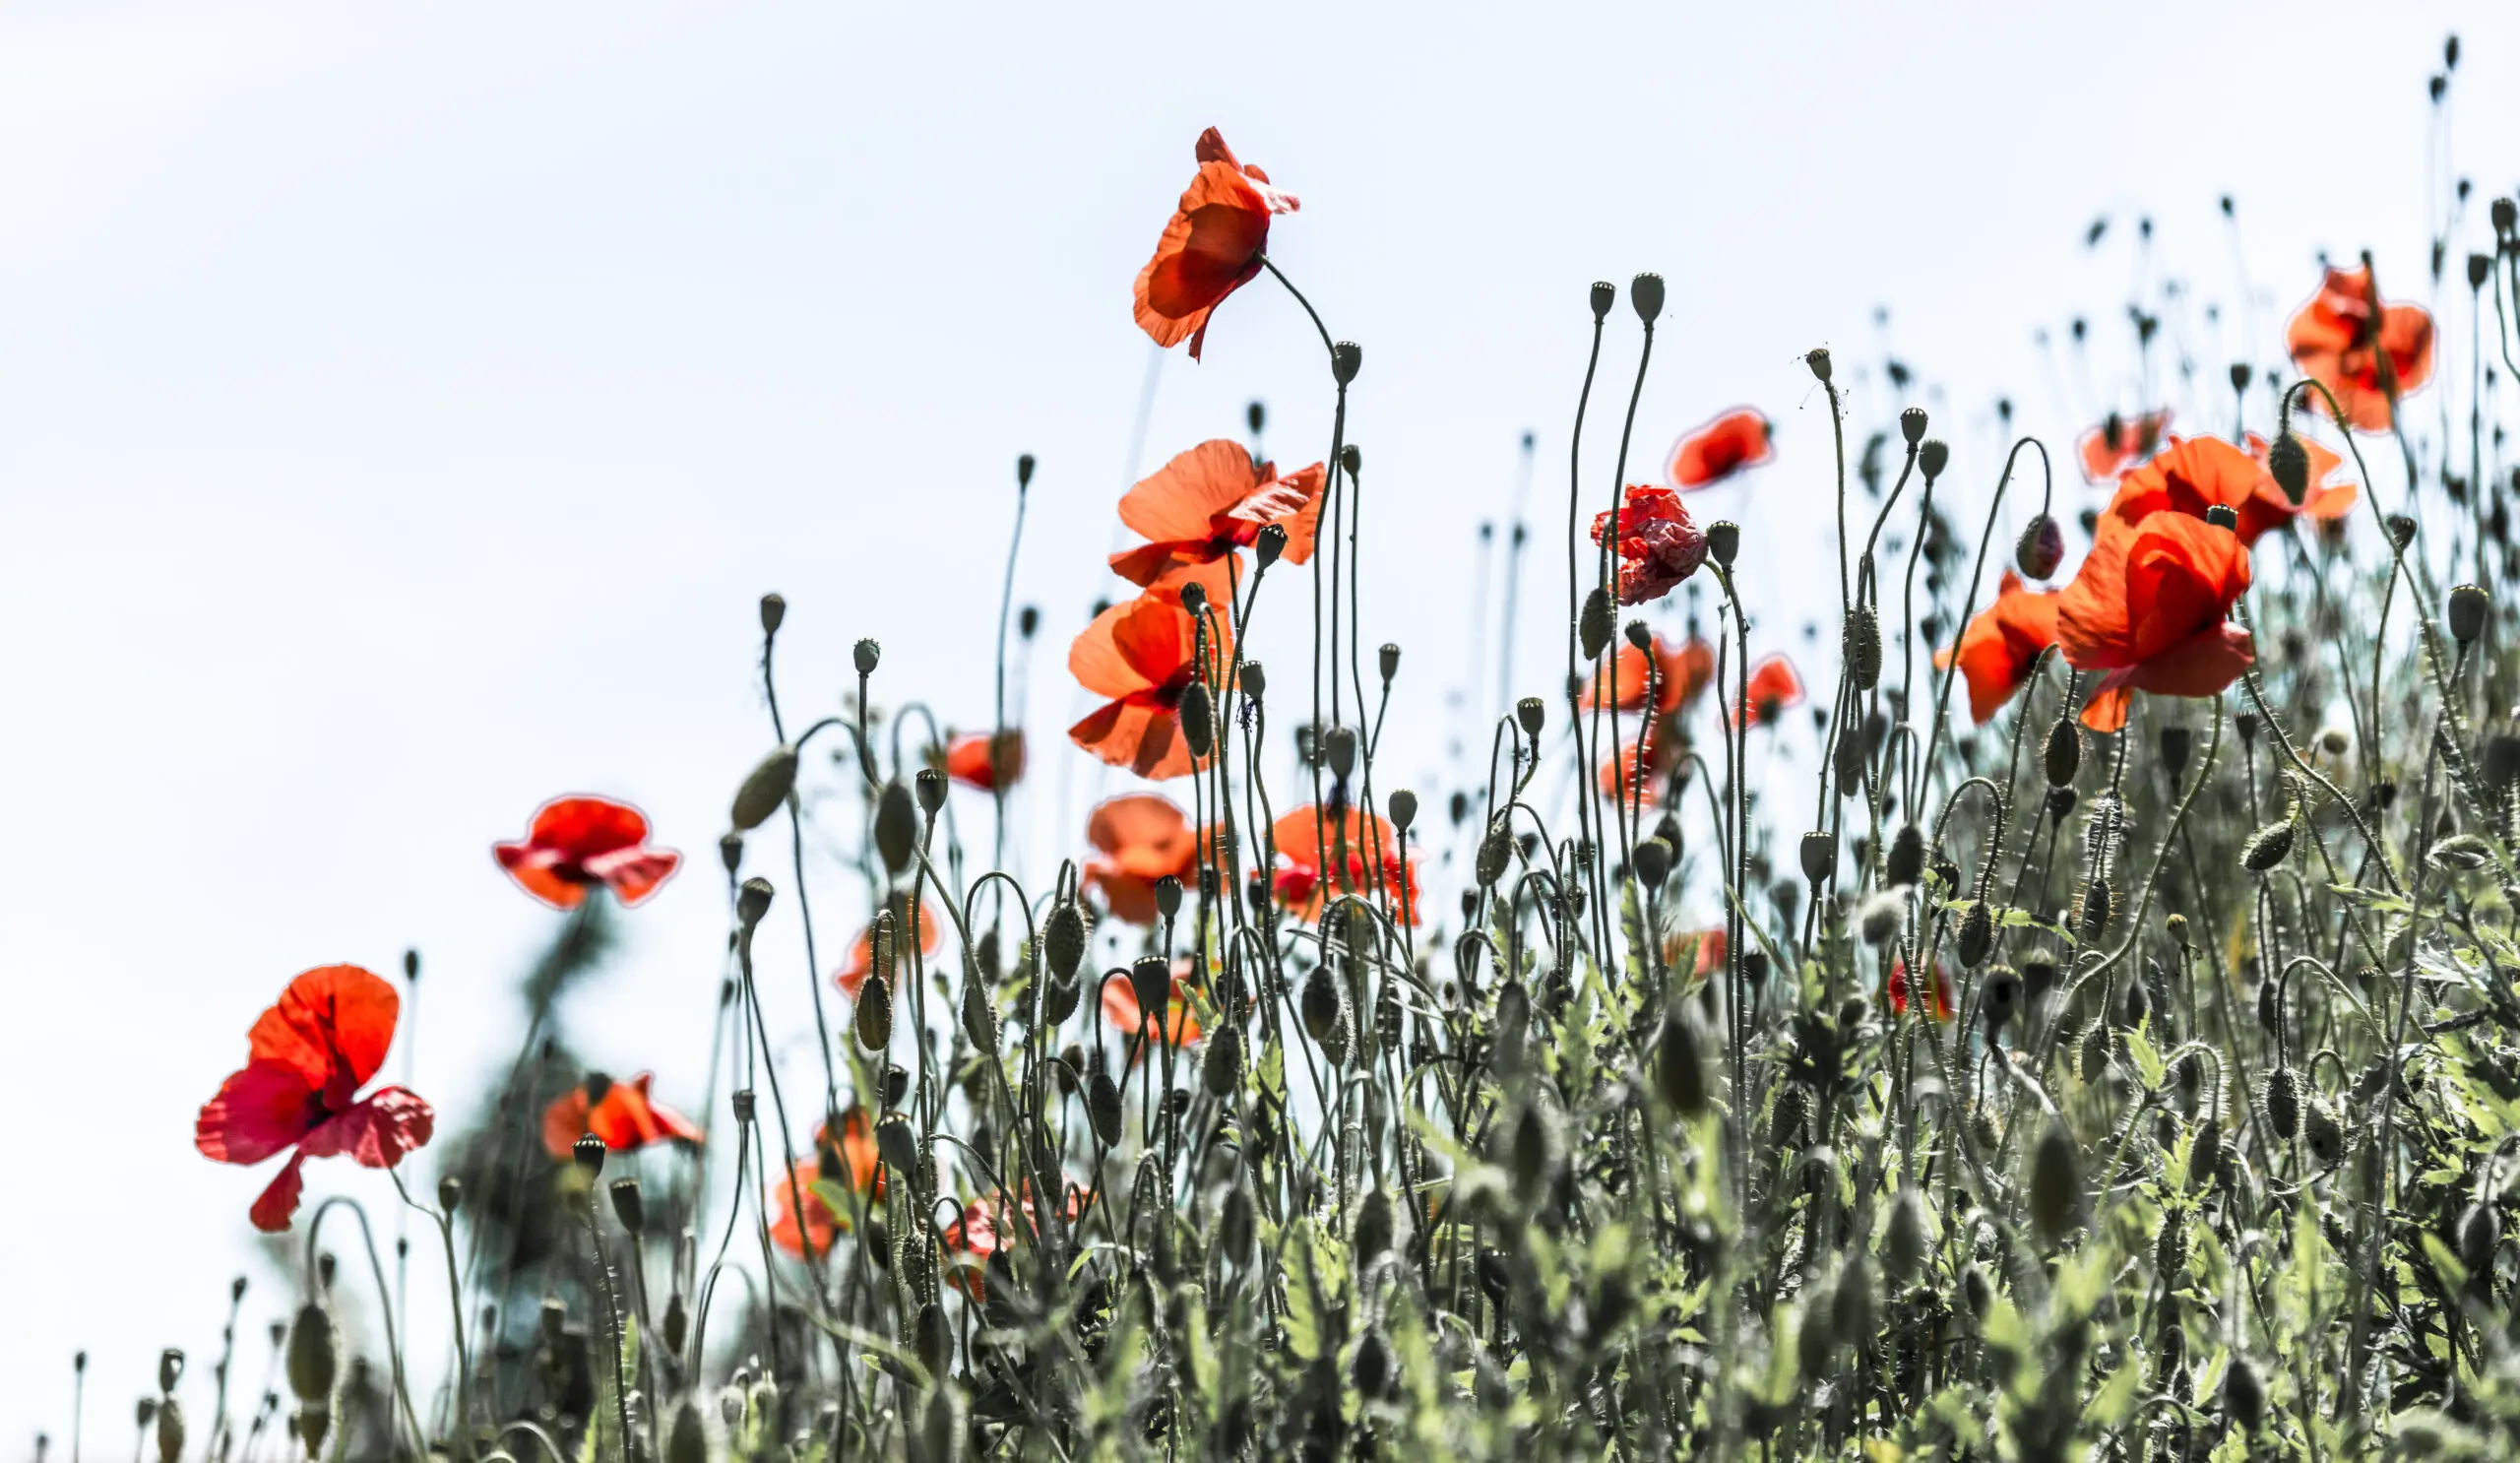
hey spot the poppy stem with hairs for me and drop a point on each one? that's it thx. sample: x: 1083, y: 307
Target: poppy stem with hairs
x: 796, y: 864
x: 1609, y: 556
x: 1574, y: 611
x: 1005, y: 606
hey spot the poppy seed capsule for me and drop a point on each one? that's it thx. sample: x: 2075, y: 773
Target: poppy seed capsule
x: 1151, y: 981
x: 449, y: 1193
x: 931, y: 791
x: 1820, y: 856
x: 2041, y: 548
x: 873, y: 1022
x: 752, y: 901
x: 2283, y: 1102
x: 1198, y: 720
x: 1652, y: 861
x: 2290, y: 463
x: 1933, y: 456
x: 1402, y: 807
x: 1818, y: 358
x: 1345, y: 360
x: 1912, y: 426
x: 1860, y: 644
x: 1194, y: 598
x: 1645, y: 292
x: 1531, y: 714
x: 1906, y: 863
x: 741, y: 1100
x: 730, y: 852
x: 2401, y: 530
x: 2267, y: 847
x: 865, y: 655
x: 1594, y: 625
x: 1604, y: 294
x: 588, y: 1154
x: 1723, y: 542
x: 774, y: 612
x: 628, y: 1205
x: 2468, y: 606
x: 764, y: 789
x: 1270, y: 542
x: 1167, y: 897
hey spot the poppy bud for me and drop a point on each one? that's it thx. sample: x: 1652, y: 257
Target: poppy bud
x: 2175, y: 742
x: 1815, y: 1344
x: 2056, y: 1182
x: 1390, y: 662
x: 1932, y: 456
x: 628, y: 1206
x: 2479, y: 1231
x: 979, y: 1014
x: 730, y: 852
x: 1645, y: 292
x: 2041, y: 548
x: 2064, y: 751
x: 1151, y: 981
x: 1102, y: 1109
x: 2243, y: 1395
x: 1723, y: 542
x: 896, y: 826
x: 2322, y: 1133
x: 1912, y: 426
x: 1653, y: 863
x: 1493, y: 851
x: 1339, y: 748
x: 1818, y: 358
x: 2093, y: 914
x: 2267, y: 847
x: 1063, y: 938
x: 874, y: 1018
x: 2290, y: 463
x: 764, y: 789
x: 774, y: 612
x: 865, y: 654
x: 1679, y: 1067
x: 1594, y: 625
x: 897, y: 1145
x: 1819, y: 854
x: 1221, y: 1070
x: 588, y: 1154
x: 1023, y: 471
x: 2170, y: 1248
x: 2283, y: 1102
x: 2000, y: 998
x: 449, y: 1193
x: 1531, y: 714
x: 311, y: 1368
x: 1402, y: 807
x: 1345, y: 358
x: 1198, y: 720
x: 1320, y: 1006
x: 752, y: 901
x: 1977, y: 934
x: 2468, y: 606
x: 1976, y: 1291
x: 1605, y: 296
x: 1860, y: 644
x: 1531, y: 1150
x: 1851, y: 1310
x: 743, y: 1102
x: 1881, y: 917
x: 675, y: 1326
x: 2241, y: 375
x: 1907, y: 862
x: 2401, y: 530
x: 1903, y: 1244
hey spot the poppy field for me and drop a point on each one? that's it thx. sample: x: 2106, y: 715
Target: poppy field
x: 2064, y: 1009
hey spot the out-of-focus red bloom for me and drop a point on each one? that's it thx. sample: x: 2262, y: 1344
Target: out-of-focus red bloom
x: 848, y: 1161
x: 2120, y: 442
x: 2199, y: 473
x: 1774, y: 690
x: 852, y: 976
x: 1941, y: 1004
x: 577, y: 842
x: 972, y: 1240
x: 2335, y: 340
x: 1318, y: 845
x: 1200, y: 507
x: 1643, y: 765
x: 1179, y: 1026
x: 1143, y: 655
x: 2002, y: 643
x: 1712, y: 946
x: 1659, y: 543
x: 2149, y: 608
x: 308, y: 1056
x: 619, y: 1113
x: 1211, y: 248
x: 986, y: 760
x: 2322, y: 499
x: 1680, y: 672
x: 1731, y: 442
x: 1138, y: 838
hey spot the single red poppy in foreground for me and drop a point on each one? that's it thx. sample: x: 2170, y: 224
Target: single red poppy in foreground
x: 985, y: 760
x: 1941, y: 1004
x: 1316, y: 846
x: 1200, y: 507
x: 2336, y: 341
x: 2001, y: 644
x: 1679, y: 672
x: 619, y: 1113
x: 1179, y: 1025
x: 1730, y: 443
x: 2149, y: 609
x: 1138, y: 838
x: 852, y: 976
x: 1659, y: 543
x: 309, y: 1055
x: 849, y: 1162
x: 578, y: 843
x: 1211, y: 248
x: 2200, y: 473
x: 2120, y: 442
x: 1774, y: 690
x: 1143, y: 655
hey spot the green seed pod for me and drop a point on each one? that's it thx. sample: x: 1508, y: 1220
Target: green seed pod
x: 1063, y: 938
x: 2243, y: 1395
x: 629, y: 1205
x: 1220, y: 1069
x: 896, y: 826
x: 688, y: 1442
x: 1977, y: 934
x: 874, y: 1018
x: 2284, y: 1103
x: 764, y: 789
x: 2170, y: 1248
x: 2267, y: 847
x: 1594, y: 625
x: 1102, y: 1109
x: 1907, y: 860
x: 932, y: 1341
x: 1723, y: 542
x: 1680, y: 1069
x: 1904, y: 1241
x: 1860, y: 646
x: 2055, y: 1184
x: 2479, y: 1231
x: 2064, y: 751
x: 2093, y: 1063
x: 2290, y: 463
x: 1819, y: 854
x: 2322, y: 1133
x: 979, y: 1014
x: 1322, y: 1004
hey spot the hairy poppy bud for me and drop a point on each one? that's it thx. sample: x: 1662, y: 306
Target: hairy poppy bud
x: 865, y: 654
x: 1912, y: 426
x: 752, y: 901
x: 1819, y: 854
x: 2223, y: 516
x: 1645, y: 292
x: 1345, y: 360
x: 1904, y: 1241
x: 874, y: 1019
x: 1103, y: 1107
x: 1679, y: 1067
x: 1881, y: 917
x: 2092, y: 1063
x: 1198, y: 720
x: 1402, y: 808
x: 1792, y: 1106
x: 774, y: 612
x: 2056, y: 1182
x: 2041, y: 548
x: 1906, y: 863
x: 1652, y: 860
x: 1977, y: 934
x: 1860, y: 644
x: 1723, y: 542
x: 1493, y: 851
x: 588, y: 1154
x: 1221, y: 1070
x: 2290, y: 463
x: 2468, y: 606
x: 2283, y: 1102
x: 1851, y: 1303
x: 2243, y: 1395
x: 1976, y: 1291
x: 2205, y: 1155
x: 1270, y: 542
x: 1532, y: 1150
x: 1815, y: 1344
x: 896, y: 826
x: 1320, y: 1006
x: 1593, y: 625
x: 2267, y: 847
x: 2138, y: 1003
x: 895, y: 1144
x: 1933, y: 456
x: 1063, y: 938
x: 1605, y: 296
x: 311, y: 1354
x: 628, y: 1205
x: 2176, y: 743
x: 764, y: 789
x: 2001, y: 996
x: 2322, y: 1133
x: 2064, y: 751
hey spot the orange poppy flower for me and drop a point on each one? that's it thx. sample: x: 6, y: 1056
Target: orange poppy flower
x: 1643, y: 765
x: 1122, y: 1013
x: 985, y: 760
x: 1138, y: 838
x: 2120, y: 442
x: 2002, y: 643
x: 852, y: 976
x: 1209, y: 501
x: 1682, y: 672
x: 2149, y: 607
x: 2198, y: 472
x: 1143, y: 655
x: 1659, y: 543
x: 852, y: 1163
x: 1352, y: 838
x: 1942, y: 1004
x: 1774, y: 690
x: 2335, y: 342
x: 619, y: 1113
x: 972, y: 1240
x: 577, y: 842
x: 1209, y: 249
x: 1731, y: 442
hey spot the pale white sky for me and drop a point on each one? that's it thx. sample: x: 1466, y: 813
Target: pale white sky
x: 401, y: 409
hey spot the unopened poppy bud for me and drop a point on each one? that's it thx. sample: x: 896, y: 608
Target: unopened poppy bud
x: 979, y: 1015
x: 1493, y: 851
x: 2176, y: 743
x: 2283, y: 1102
x: 1679, y: 1067
x: 1907, y: 859
x: 1063, y: 938
x: 1860, y: 646
x: 2290, y: 463
x: 588, y: 1154
x: 752, y: 901
x: 1818, y: 358
x: 873, y: 1021
x: 628, y: 1205
x: 1103, y: 1107
x: 2322, y: 1133
x: 931, y: 789
x: 866, y: 654
x: 2064, y: 751
x: 2267, y: 847
x: 896, y: 826
x: 449, y: 1193
x: 1605, y: 296
x: 1390, y: 662
x: 1977, y: 934
x: 1270, y: 542
x: 730, y: 852
x: 1531, y: 714
x: 1645, y: 292
x: 1653, y: 861
x: 1198, y: 720
x: 1028, y: 620
x: 764, y: 789
x: 1345, y: 358
x: 1880, y: 918
x: 2041, y: 549
x: 1594, y: 625
x: 774, y: 612
x: 1639, y: 634
x: 1221, y: 1070
x: 1023, y: 471
x: 2479, y: 1231
x: 1339, y: 748
x: 1912, y: 426
x: 2401, y: 530
x: 1723, y: 542
x: 1253, y: 680
x: 1933, y: 456
x: 1904, y: 1241
x: 1819, y: 854
x: 1320, y: 1006
x: 2001, y: 996
x: 2092, y: 919
x: 2056, y: 1182
x: 2243, y: 1395
x: 1352, y: 460
x: 2468, y: 606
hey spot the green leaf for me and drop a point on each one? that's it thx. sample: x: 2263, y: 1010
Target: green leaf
x: 2148, y: 1063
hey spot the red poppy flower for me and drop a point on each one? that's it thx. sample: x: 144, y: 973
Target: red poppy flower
x: 1712, y: 946
x: 309, y: 1055
x: 1643, y: 765
x: 1209, y: 501
x: 852, y: 976
x: 2335, y: 342
x: 1659, y: 543
x: 1774, y: 690
x: 1351, y: 839
x: 2149, y: 607
x: 985, y: 760
x: 978, y: 1234
x: 2120, y: 442
x: 2002, y: 643
x: 1122, y: 1013
x: 851, y: 1162
x: 1942, y: 1006
x: 1736, y: 440
x: 1211, y: 248
x: 618, y: 1112
x: 1138, y: 838
x: 1682, y: 672
x: 1143, y: 655
x: 577, y: 842
x: 2198, y: 472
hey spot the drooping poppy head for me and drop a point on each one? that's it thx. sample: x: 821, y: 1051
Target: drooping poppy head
x: 844, y: 1165
x: 2120, y: 442
x: 1732, y: 442
x: 578, y: 843
x: 2199, y: 473
x: 1138, y: 838
x: 2323, y: 500
x: 1941, y: 1003
x: 619, y: 1113
x: 2339, y: 341
x: 1200, y: 507
x: 1143, y: 655
x: 1774, y: 690
x: 2000, y: 646
x: 1324, y: 852
x: 1659, y: 543
x: 2149, y: 608
x: 852, y: 976
x: 1680, y: 673
x: 1179, y: 1025
x: 1210, y: 247
x: 307, y: 1057
x: 985, y: 760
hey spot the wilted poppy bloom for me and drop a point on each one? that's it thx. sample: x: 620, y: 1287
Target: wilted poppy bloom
x: 1316, y: 845
x: 2335, y: 342
x: 2120, y: 442
x: 849, y: 1162
x: 1138, y: 838
x: 852, y: 976
x: 1122, y: 1013
x: 2000, y: 646
x: 2149, y: 607
x: 577, y: 842
x: 1941, y: 1004
x: 1209, y: 501
x: 619, y: 1113
x: 1680, y: 673
x: 1774, y: 690
x: 1736, y: 440
x: 1659, y: 543
x: 309, y: 1055
x: 985, y: 760
x: 2200, y: 473
x: 1209, y: 249
x: 1143, y: 655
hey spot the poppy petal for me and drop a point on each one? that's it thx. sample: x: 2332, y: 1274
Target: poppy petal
x: 258, y: 1111
x: 334, y: 1024
x: 632, y: 874
x: 377, y: 1131
x: 538, y: 872
x: 277, y: 1202
x: 1178, y: 500
x: 582, y: 827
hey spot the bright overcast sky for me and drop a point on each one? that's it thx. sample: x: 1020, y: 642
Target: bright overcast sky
x: 401, y: 409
